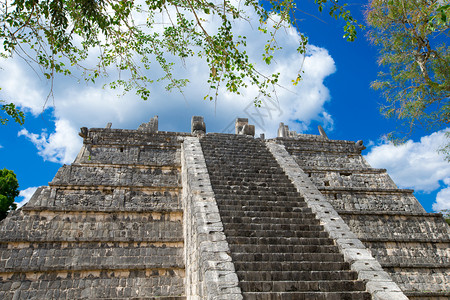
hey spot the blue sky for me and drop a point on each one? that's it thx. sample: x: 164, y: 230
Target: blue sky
x: 334, y: 93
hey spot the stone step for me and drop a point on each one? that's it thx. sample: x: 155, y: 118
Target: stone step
x: 242, y: 167
x: 306, y: 286
x: 220, y: 147
x: 103, y: 265
x: 251, y: 248
x: 322, y: 257
x: 240, y: 158
x: 237, y: 170
x: 250, y: 189
x: 225, y: 174
x: 259, y: 199
x: 134, y: 286
x: 268, y: 214
x: 233, y: 175
x: 290, y: 266
x: 297, y: 275
x: 279, y: 187
x: 263, y: 203
x: 249, y: 182
x: 266, y: 208
x: 225, y: 170
x: 279, y: 241
x: 91, y: 226
x: 88, y: 257
x: 275, y: 233
x: 287, y: 227
x: 268, y: 220
x: 359, y: 295
x: 226, y: 145
x: 244, y: 193
x: 271, y: 214
x: 226, y: 141
x: 257, y: 174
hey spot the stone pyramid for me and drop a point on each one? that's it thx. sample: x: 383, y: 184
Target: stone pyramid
x: 147, y: 214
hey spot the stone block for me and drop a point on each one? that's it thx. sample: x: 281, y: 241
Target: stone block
x: 151, y: 126
x: 198, y: 125
x: 380, y: 286
x: 389, y: 296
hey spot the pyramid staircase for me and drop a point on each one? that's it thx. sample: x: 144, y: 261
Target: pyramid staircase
x: 279, y: 249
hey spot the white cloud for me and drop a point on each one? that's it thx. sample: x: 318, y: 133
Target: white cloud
x: 416, y: 165
x: 26, y: 195
x: 60, y: 146
x: 328, y: 122
x: 1, y: 146
x: 77, y: 105
x: 443, y: 198
x: 22, y: 86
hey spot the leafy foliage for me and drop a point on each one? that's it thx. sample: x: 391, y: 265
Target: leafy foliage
x: 446, y: 214
x: 8, y: 191
x: 12, y: 111
x: 59, y: 35
x: 413, y: 36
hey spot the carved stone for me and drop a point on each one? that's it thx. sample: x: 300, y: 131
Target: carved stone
x: 282, y: 130
x: 242, y: 127
x: 83, y: 132
x: 198, y: 125
x: 249, y: 130
x: 151, y: 126
x: 322, y: 132
x: 359, y: 145
x: 239, y: 125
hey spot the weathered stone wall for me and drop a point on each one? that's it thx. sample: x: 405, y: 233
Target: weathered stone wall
x: 361, y: 179
x: 83, y: 256
x: 128, y: 154
x: 397, y: 226
x: 126, y: 138
x: 372, y: 200
x: 94, y: 284
x: 378, y: 282
x: 117, y: 176
x: 37, y: 225
x: 108, y: 226
x: 423, y: 283
x: 427, y: 253
x: 107, y: 198
x: 412, y: 246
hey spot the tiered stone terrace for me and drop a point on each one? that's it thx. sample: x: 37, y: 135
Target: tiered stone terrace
x: 410, y: 244
x: 108, y: 226
x: 145, y: 214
